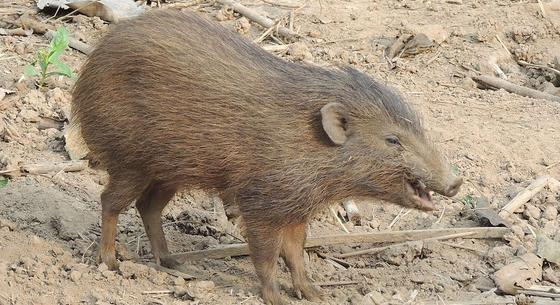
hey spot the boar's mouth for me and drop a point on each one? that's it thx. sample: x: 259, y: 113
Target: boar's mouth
x: 419, y: 195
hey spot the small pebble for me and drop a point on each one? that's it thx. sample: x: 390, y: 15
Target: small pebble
x: 4, y: 223
x: 242, y: 25
x: 314, y: 34
x: 108, y: 274
x: 356, y: 299
x: 532, y: 211
x: 550, y: 228
x: 370, y: 59
x: 204, y: 285
x: 102, y: 267
x: 98, y: 23
x: 20, y: 48
x: 518, y: 231
x: 226, y: 13
x: 552, y: 276
x: 75, y: 275
x: 516, y: 177
x: 179, y: 281
x: 550, y: 212
x: 300, y: 51
x: 183, y: 293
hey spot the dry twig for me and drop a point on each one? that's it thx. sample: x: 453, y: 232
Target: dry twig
x: 524, y: 63
x: 15, y: 32
x: 39, y: 169
x: 69, y: 166
x: 380, y: 249
x: 438, y: 53
x: 158, y: 292
x: 470, y: 302
x: 503, y: 45
x: 524, y: 196
x: 513, y: 88
x: 337, y: 239
x: 336, y: 283
x: 185, y: 5
x: 441, y: 215
x: 276, y: 47
x: 254, y: 16
x: 541, y: 6
x: 268, y: 32
x: 281, y: 4
x: 173, y: 272
x: 462, y: 247
x: 394, y: 221
x: 73, y: 43
x: 339, y: 221
x: 553, y: 165
x: 341, y: 262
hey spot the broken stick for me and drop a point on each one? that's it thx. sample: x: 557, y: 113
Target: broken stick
x: 276, y: 47
x: 380, y: 249
x: 73, y: 43
x: 336, y: 283
x: 501, y: 301
x: 15, y: 32
x: 524, y: 63
x: 70, y: 166
x: 287, y: 5
x: 40, y: 169
x: 173, y: 272
x: 254, y: 16
x: 524, y: 196
x: 493, y: 82
x: 335, y: 215
x: 329, y: 240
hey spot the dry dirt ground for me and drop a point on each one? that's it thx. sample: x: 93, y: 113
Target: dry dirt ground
x: 500, y: 142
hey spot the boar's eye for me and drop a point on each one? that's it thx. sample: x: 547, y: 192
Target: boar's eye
x: 392, y: 140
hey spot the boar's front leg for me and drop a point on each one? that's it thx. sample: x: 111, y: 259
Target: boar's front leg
x: 293, y: 241
x: 264, y: 245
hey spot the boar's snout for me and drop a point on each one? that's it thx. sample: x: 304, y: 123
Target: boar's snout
x: 453, y: 185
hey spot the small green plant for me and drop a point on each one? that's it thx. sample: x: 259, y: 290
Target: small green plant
x: 44, y: 59
x: 468, y: 200
x: 455, y: 170
x: 3, y: 182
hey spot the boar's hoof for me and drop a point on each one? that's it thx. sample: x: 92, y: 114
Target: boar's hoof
x: 272, y: 296
x: 169, y: 262
x: 310, y: 292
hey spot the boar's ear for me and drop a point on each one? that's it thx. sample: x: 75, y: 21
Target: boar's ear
x: 335, y: 119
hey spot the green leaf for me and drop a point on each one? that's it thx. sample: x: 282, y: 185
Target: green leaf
x: 468, y: 200
x: 455, y: 170
x: 59, y: 43
x: 56, y: 73
x: 62, y: 68
x: 30, y: 71
x: 3, y: 182
x: 43, y: 61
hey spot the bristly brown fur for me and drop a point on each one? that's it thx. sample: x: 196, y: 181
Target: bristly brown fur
x: 170, y: 100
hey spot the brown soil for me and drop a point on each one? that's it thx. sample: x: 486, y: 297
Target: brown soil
x: 499, y: 141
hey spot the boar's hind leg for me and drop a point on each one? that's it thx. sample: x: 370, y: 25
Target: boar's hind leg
x: 121, y: 191
x: 293, y: 241
x: 264, y: 244
x: 150, y: 205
